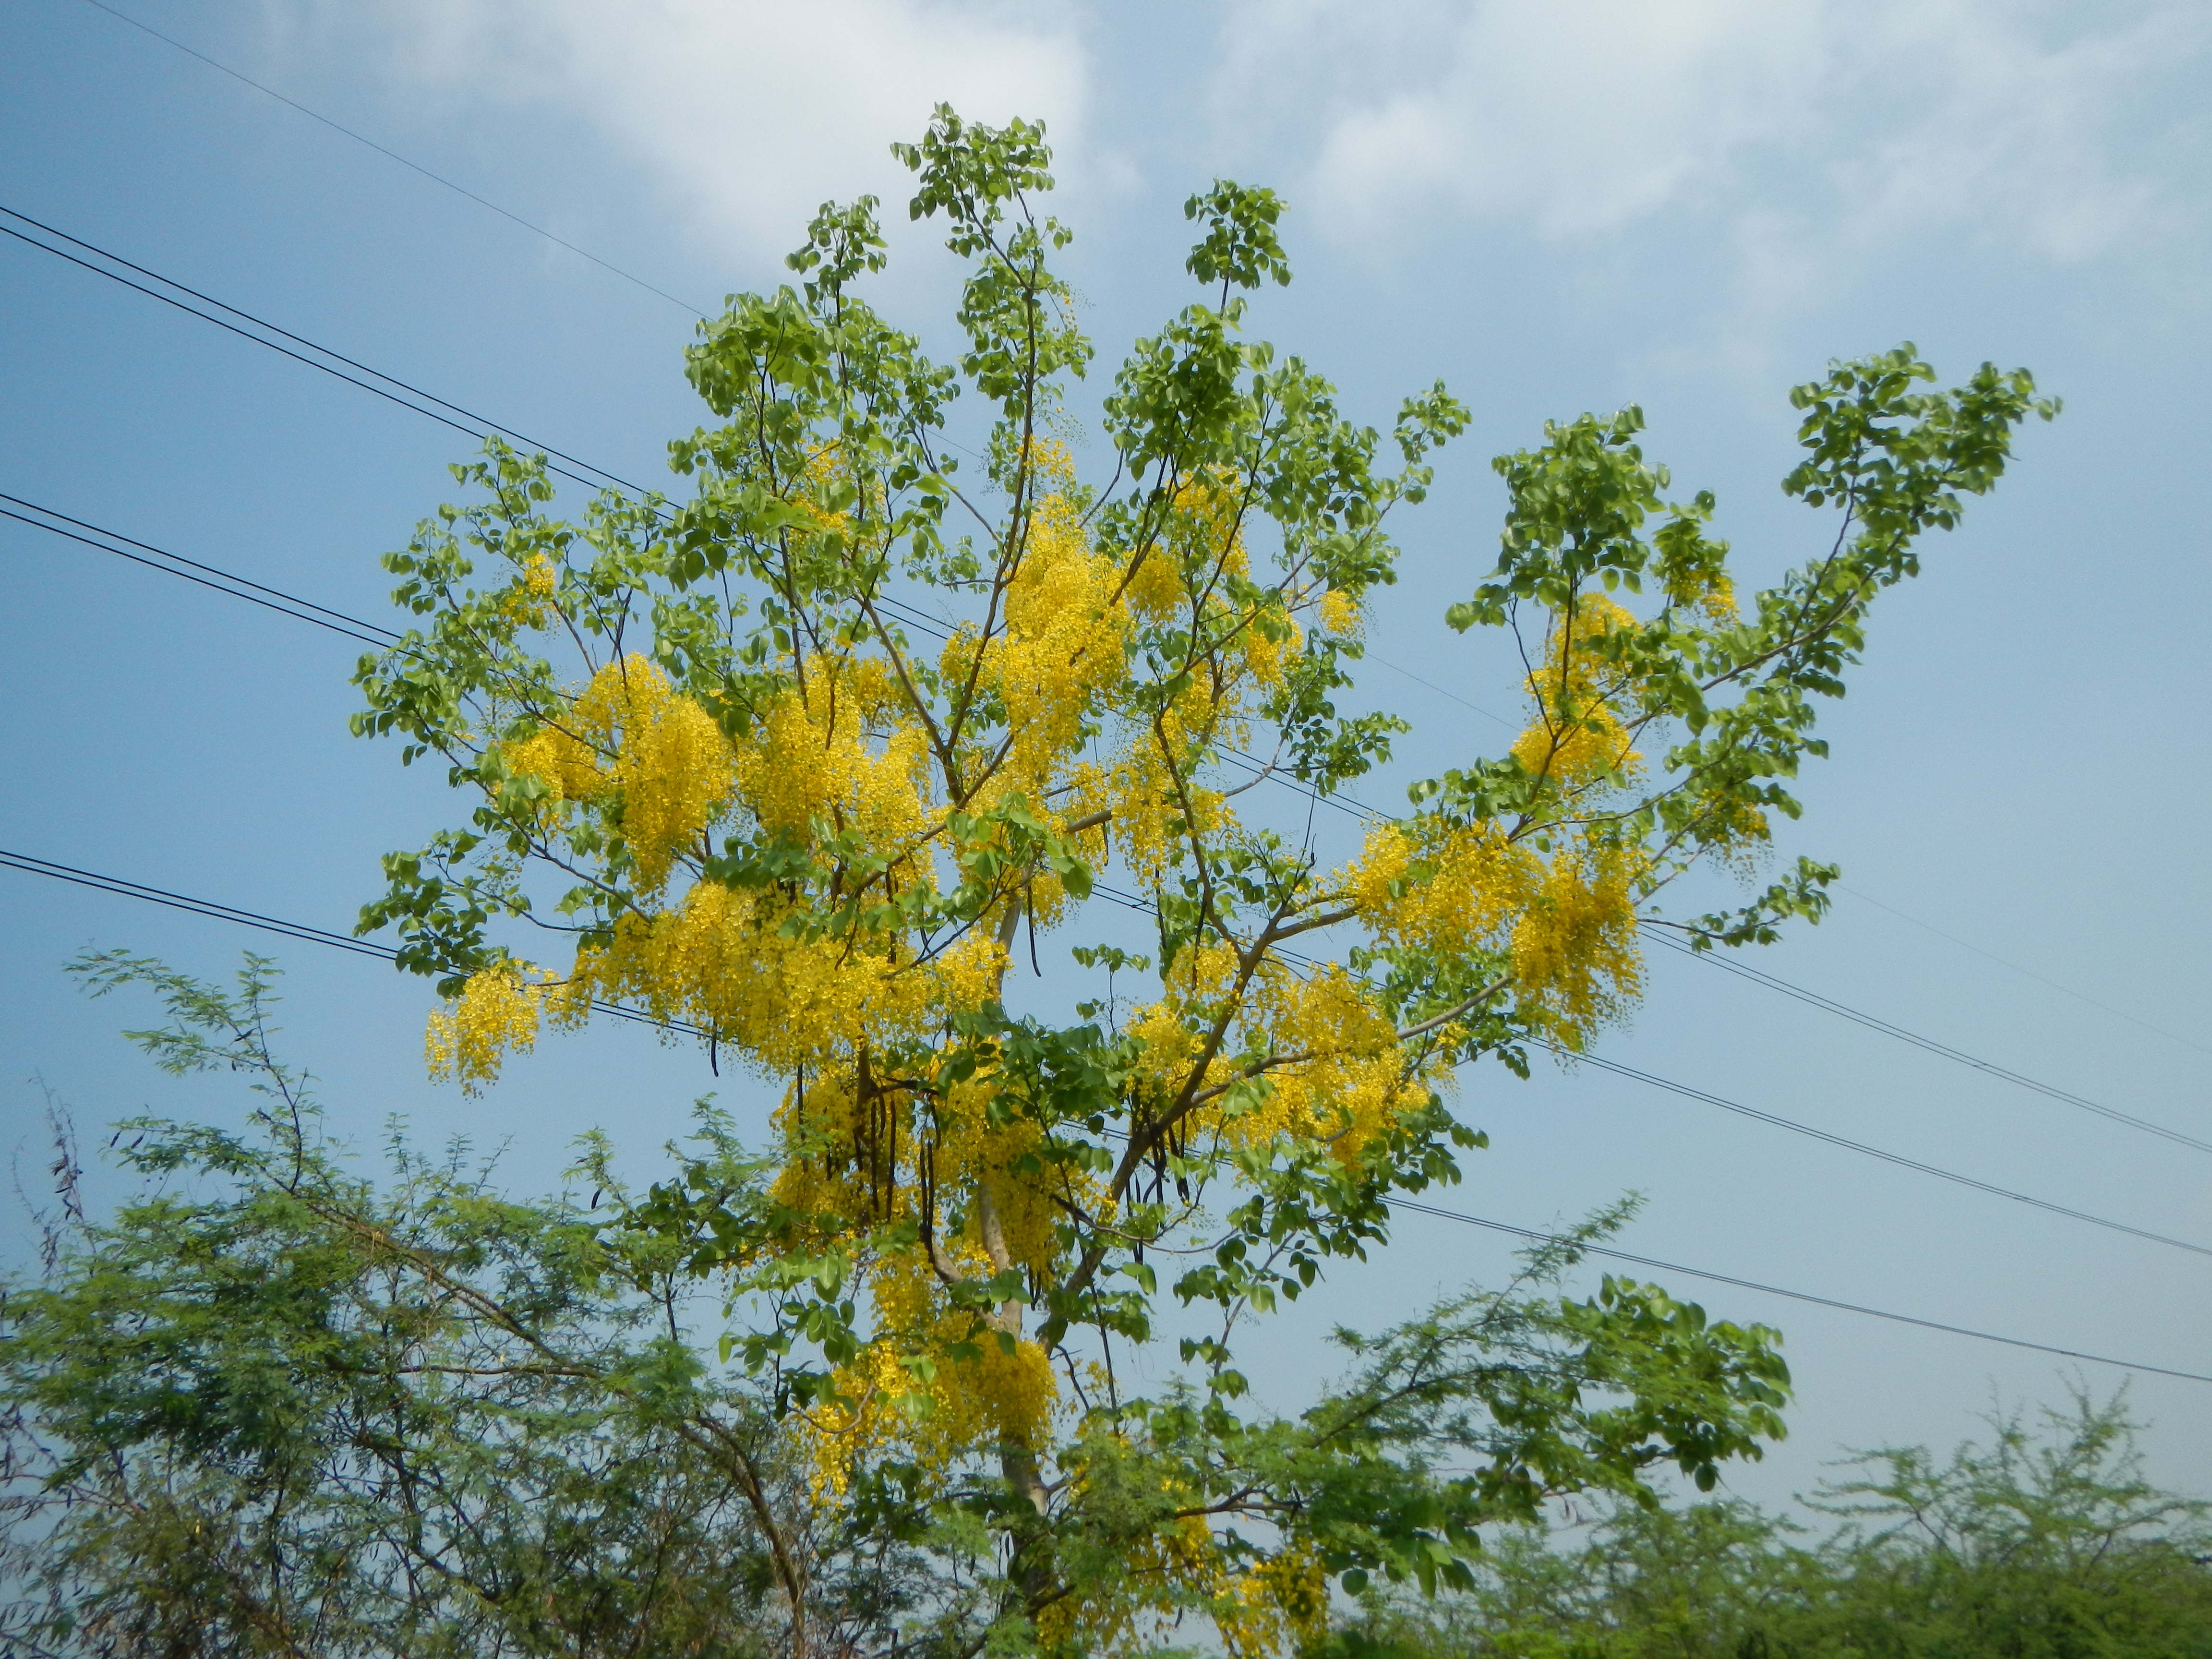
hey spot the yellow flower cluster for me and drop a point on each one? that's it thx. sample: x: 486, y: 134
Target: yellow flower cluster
x: 1339, y: 1075
x: 1355, y: 1084
x: 812, y: 490
x: 846, y: 1144
x: 1736, y: 836
x: 1339, y: 613
x: 1450, y: 890
x: 1141, y: 794
x: 1203, y: 546
x: 1695, y: 573
x: 978, y: 1401
x: 838, y: 753
x: 738, y: 963
x: 568, y: 765
x: 858, y: 1159
x: 536, y: 582
x: 1717, y: 597
x: 497, y: 1013
x: 1063, y: 653
x: 1577, y: 738
x: 1267, y: 650
x: 1566, y: 923
x: 1282, y: 1603
x: 1575, y: 954
x: 1261, y: 1610
x: 1204, y: 541
x: 631, y: 735
x: 724, y: 961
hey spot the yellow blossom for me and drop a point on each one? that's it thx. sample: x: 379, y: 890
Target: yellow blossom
x: 497, y: 1013
x: 1578, y: 735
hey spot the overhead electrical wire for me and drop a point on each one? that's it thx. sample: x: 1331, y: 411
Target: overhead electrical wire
x: 117, y: 885
x: 1991, y: 1068
x: 1136, y: 902
x: 1613, y: 1254
x: 1990, y: 956
x: 206, y: 575
x: 1865, y: 1150
x: 393, y: 388
x: 394, y: 156
x: 1384, y: 662
x: 254, y: 919
x: 295, y: 930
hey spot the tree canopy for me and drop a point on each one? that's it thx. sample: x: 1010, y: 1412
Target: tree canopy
x: 853, y: 761
x: 2045, y: 1541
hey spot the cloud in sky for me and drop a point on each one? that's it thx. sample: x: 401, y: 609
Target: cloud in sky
x: 1579, y: 114
x: 1788, y: 132
x: 1576, y: 117
x: 750, y: 113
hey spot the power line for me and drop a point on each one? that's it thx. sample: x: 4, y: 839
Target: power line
x: 1866, y: 1151
x: 311, y: 935
x: 117, y: 884
x: 266, y: 924
x: 394, y: 389
x: 1794, y: 1296
x: 1266, y: 771
x: 389, y: 154
x: 1384, y: 662
x: 1829, y: 1004
x: 206, y: 575
x: 1990, y: 956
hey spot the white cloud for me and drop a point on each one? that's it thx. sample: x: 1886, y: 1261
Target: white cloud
x: 1993, y: 126
x: 1793, y: 133
x: 1576, y: 113
x: 1580, y: 116
x: 749, y: 112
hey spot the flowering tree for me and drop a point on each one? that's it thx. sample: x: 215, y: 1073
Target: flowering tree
x: 811, y: 762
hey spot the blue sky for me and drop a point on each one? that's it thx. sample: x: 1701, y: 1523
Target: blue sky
x: 1685, y: 203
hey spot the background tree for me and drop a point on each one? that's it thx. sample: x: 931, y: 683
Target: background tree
x: 2045, y: 1542
x: 703, y: 742
x: 269, y: 1409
